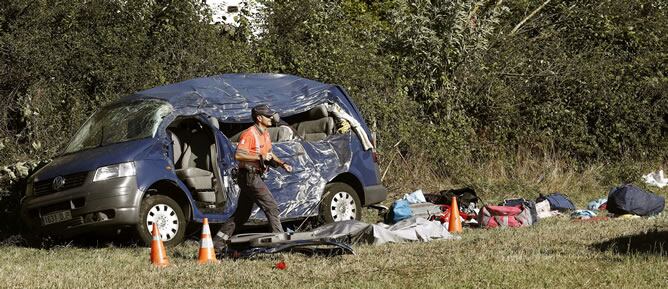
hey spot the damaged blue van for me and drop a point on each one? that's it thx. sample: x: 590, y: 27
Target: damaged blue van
x: 165, y: 156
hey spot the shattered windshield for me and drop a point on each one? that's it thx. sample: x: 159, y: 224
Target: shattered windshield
x: 120, y: 123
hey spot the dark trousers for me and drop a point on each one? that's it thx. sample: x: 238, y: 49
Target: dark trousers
x: 253, y: 191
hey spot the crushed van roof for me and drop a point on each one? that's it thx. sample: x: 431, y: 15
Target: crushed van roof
x: 236, y: 94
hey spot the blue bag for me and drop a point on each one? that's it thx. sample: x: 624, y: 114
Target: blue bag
x: 399, y: 210
x: 558, y: 201
x: 629, y: 199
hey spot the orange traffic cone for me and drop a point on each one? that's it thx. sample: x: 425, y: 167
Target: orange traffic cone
x: 455, y: 222
x: 158, y: 253
x: 206, y: 252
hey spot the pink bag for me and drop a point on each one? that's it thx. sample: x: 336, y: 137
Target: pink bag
x: 500, y: 216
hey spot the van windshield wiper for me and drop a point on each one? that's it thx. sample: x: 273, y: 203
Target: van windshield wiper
x: 101, y: 143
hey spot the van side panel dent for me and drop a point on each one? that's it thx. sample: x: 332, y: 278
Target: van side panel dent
x: 314, y: 163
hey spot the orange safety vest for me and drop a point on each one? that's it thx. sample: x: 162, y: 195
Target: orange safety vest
x: 254, y: 142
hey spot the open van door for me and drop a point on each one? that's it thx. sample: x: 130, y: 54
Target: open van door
x: 226, y: 190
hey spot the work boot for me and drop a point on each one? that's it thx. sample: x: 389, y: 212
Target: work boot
x: 219, y: 245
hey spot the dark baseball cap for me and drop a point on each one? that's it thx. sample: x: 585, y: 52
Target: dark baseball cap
x: 262, y: 109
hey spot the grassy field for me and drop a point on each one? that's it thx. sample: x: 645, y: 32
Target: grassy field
x: 557, y: 253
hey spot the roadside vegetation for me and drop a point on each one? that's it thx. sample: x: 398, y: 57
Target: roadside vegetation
x: 512, y: 98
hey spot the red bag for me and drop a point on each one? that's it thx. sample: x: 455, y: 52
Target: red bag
x: 500, y: 216
x: 445, y: 216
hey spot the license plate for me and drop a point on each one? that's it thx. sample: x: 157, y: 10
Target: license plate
x: 56, y: 217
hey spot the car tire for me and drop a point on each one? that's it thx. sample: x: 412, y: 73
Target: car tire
x: 33, y: 239
x: 340, y: 203
x: 169, y: 217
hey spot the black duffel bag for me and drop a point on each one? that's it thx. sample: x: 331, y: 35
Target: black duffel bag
x: 629, y: 199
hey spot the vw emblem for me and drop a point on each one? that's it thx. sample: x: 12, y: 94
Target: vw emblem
x: 58, y: 182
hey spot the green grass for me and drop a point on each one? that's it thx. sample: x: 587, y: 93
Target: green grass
x: 557, y: 253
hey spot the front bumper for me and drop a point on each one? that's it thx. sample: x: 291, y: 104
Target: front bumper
x: 93, y: 207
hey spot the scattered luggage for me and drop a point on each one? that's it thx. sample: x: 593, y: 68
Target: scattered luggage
x: 399, y: 210
x: 520, y: 212
x: 415, y: 197
x: 404, y: 209
x: 544, y: 211
x: 530, y: 205
x: 467, y: 201
x: 629, y: 199
x: 426, y: 210
x: 465, y: 197
x: 583, y: 214
x: 598, y: 205
x: 558, y: 201
x: 499, y: 216
x: 469, y: 217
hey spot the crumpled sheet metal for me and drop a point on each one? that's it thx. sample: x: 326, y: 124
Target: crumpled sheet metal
x: 301, y: 190
x: 230, y: 97
x: 233, y: 95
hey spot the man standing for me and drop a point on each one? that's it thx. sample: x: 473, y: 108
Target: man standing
x: 254, y: 154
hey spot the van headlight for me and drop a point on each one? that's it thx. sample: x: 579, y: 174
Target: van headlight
x: 115, y: 171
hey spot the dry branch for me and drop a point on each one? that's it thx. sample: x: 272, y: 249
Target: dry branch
x: 528, y: 17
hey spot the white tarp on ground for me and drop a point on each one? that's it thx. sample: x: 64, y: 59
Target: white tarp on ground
x: 408, y: 230
x: 655, y: 179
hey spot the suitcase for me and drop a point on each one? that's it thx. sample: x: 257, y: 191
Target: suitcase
x: 426, y: 210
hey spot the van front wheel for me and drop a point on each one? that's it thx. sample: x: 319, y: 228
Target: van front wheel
x: 339, y: 203
x: 167, y: 215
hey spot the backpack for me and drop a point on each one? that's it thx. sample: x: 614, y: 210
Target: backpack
x: 399, y: 210
x: 558, y: 201
x: 631, y: 199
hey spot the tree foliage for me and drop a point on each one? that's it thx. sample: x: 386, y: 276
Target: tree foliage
x: 455, y: 82
x: 62, y: 60
x: 455, y: 79
x: 582, y: 77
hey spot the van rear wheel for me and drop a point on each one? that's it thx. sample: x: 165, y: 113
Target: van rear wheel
x: 167, y: 215
x: 340, y: 203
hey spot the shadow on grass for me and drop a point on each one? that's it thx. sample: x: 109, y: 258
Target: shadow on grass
x: 122, y: 239
x: 89, y: 241
x: 651, y: 243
